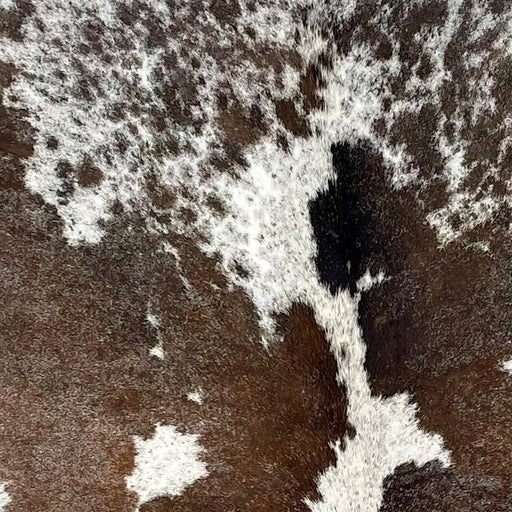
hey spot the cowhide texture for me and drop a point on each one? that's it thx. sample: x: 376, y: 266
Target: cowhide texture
x: 255, y: 256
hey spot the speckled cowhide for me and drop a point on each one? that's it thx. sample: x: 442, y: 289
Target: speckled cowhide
x: 255, y: 256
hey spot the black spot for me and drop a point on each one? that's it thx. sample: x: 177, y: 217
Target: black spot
x: 347, y: 221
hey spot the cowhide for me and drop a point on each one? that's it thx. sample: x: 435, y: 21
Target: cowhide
x: 255, y: 255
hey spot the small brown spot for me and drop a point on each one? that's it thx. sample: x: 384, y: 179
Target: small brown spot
x: 161, y: 196
x: 241, y: 270
x: 89, y: 175
x: 215, y: 204
x: 424, y: 67
x: 188, y: 215
x: 238, y: 128
x: 52, y: 143
x: 310, y: 83
x: 385, y: 50
x: 288, y: 115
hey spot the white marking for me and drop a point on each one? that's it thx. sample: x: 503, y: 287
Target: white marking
x: 169, y: 249
x: 387, y: 430
x: 155, y: 322
x: 196, y: 396
x: 507, y: 366
x: 5, y: 499
x: 166, y: 464
x: 157, y: 351
x: 367, y: 281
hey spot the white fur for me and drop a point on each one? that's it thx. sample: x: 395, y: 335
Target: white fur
x: 166, y: 464
x: 5, y: 499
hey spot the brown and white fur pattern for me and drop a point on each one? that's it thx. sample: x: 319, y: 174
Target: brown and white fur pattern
x: 255, y: 255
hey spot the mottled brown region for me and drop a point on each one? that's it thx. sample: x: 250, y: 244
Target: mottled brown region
x: 261, y: 455
x: 440, y: 329
x: 434, y: 489
x: 77, y: 381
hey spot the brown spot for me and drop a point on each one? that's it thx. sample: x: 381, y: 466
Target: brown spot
x: 89, y: 175
x: 424, y: 67
x: 238, y: 128
x: 52, y: 143
x: 288, y: 115
x: 309, y: 85
x: 241, y: 270
x: 215, y: 204
x: 385, y: 50
x: 160, y: 196
x: 12, y: 20
x: 7, y: 71
x: 78, y: 381
x: 188, y: 215
x: 226, y: 11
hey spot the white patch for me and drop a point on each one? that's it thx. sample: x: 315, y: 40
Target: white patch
x: 196, y: 396
x: 157, y: 351
x: 7, y: 4
x: 367, y: 281
x: 507, y: 366
x: 169, y: 249
x: 155, y: 322
x: 5, y: 499
x: 387, y: 431
x: 166, y: 464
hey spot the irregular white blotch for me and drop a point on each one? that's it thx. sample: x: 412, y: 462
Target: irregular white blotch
x: 367, y: 281
x: 153, y: 320
x: 387, y: 430
x: 5, y: 499
x: 166, y: 464
x: 7, y: 4
x: 196, y: 396
x: 157, y: 351
x: 507, y: 366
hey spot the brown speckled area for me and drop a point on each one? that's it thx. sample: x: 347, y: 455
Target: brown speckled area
x: 78, y: 381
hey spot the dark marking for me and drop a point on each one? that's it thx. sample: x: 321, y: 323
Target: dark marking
x: 346, y: 220
x: 288, y: 115
x: 440, y: 327
x: 89, y: 175
x: 434, y: 489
